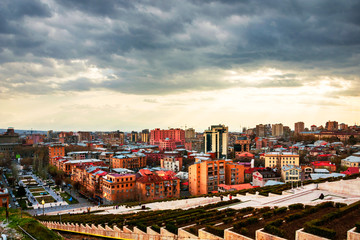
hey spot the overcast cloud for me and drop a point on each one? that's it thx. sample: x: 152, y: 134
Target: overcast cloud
x: 167, y: 47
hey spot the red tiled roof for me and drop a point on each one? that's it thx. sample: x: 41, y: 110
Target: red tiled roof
x: 150, y: 179
x: 351, y: 170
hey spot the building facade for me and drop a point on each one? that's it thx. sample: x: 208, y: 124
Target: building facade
x: 291, y: 173
x: 131, y: 161
x: 119, y: 188
x: 216, y: 140
x: 280, y: 159
x: 299, y: 127
x: 277, y: 130
x: 205, y: 176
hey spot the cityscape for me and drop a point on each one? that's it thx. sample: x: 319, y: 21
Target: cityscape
x: 57, y: 173
x: 188, y: 120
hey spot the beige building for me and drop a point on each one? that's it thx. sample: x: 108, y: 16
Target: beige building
x: 351, y: 161
x: 216, y: 140
x: 189, y: 133
x: 277, y: 130
x: 291, y: 173
x: 280, y: 159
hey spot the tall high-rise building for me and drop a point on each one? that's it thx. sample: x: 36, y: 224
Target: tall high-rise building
x: 277, y: 130
x: 84, y: 136
x: 189, y: 133
x: 299, y: 127
x: 343, y: 126
x: 216, y: 140
x: 332, y: 126
x: 134, y: 137
x: 260, y: 130
x: 175, y: 135
x: 145, y: 136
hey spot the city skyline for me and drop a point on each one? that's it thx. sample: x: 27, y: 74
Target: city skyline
x: 68, y: 65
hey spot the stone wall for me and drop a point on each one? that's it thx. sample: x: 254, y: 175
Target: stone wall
x: 164, y: 234
x: 153, y: 235
x: 352, y: 235
x: 206, y: 235
x: 186, y: 235
x: 260, y: 235
x: 301, y: 235
x: 230, y: 235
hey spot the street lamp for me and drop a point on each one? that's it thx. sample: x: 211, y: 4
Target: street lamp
x: 43, y: 203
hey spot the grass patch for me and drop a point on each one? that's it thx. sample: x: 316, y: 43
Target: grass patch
x: 67, y: 197
x: 39, y: 194
x: 29, y: 224
x: 47, y: 199
x: 36, y: 189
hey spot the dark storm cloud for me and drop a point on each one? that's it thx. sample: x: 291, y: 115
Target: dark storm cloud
x: 157, y: 47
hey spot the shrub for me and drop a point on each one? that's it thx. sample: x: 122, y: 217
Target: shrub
x: 325, y: 205
x: 277, y: 222
x: 246, y: 222
x: 247, y: 209
x: 264, y: 209
x: 340, y: 205
x: 274, y: 230
x: 193, y: 230
x: 243, y: 231
x: 320, y: 231
x: 228, y: 220
x: 215, y: 230
x: 294, y: 216
x: 156, y: 228
x: 267, y: 214
x: 357, y: 225
x: 280, y: 210
x: 296, y: 206
x: 172, y: 228
x: 141, y: 226
x: 264, y: 193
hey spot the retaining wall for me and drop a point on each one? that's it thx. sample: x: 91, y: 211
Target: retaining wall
x: 164, y: 234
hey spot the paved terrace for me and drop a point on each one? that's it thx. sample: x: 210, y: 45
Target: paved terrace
x: 346, y: 191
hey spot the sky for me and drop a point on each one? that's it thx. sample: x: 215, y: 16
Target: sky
x: 131, y: 65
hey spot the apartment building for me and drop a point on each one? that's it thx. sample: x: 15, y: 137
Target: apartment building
x: 299, y: 127
x: 176, y: 135
x: 205, y: 176
x: 171, y: 163
x: 280, y: 159
x: 216, y: 140
x: 119, y: 188
x: 153, y: 186
x: 135, y: 160
x: 241, y: 145
x: 234, y: 173
x: 89, y: 179
x: 291, y: 173
x: 56, y: 150
x: 277, y: 130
